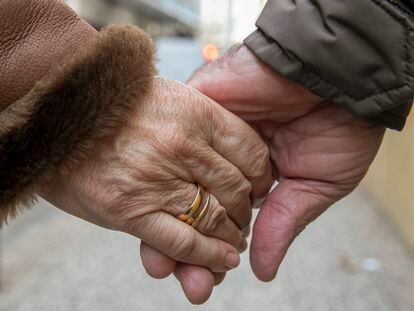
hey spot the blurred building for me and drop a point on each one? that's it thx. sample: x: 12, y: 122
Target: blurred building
x: 220, y: 22
x: 157, y: 17
x: 225, y: 22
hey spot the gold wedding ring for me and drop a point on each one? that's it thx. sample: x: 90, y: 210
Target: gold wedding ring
x: 202, y: 213
x: 195, y: 213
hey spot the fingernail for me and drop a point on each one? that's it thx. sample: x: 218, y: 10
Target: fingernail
x: 232, y: 260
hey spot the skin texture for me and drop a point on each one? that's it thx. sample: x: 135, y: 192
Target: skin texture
x: 319, y: 154
x: 140, y: 180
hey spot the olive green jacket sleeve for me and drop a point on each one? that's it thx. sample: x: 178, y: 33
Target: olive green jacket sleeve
x: 355, y: 53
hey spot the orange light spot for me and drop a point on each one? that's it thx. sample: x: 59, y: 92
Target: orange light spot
x: 210, y: 52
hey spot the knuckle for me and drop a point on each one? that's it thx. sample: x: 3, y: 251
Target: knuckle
x: 212, y: 122
x: 238, y: 182
x: 178, y: 145
x: 239, y: 205
x: 242, y: 192
x: 178, y: 199
x: 137, y: 225
x: 245, y: 221
x: 245, y: 187
x: 123, y: 214
x: 261, y: 161
x: 184, y: 247
x: 217, y: 219
x: 234, y: 183
x: 188, y: 149
x: 241, y: 215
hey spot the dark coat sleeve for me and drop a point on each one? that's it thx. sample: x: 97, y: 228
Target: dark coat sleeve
x: 355, y: 53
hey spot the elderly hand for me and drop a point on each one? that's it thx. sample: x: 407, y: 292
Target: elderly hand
x: 139, y: 182
x: 319, y: 154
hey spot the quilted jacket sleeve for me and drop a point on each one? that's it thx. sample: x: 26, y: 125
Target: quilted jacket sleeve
x: 355, y: 53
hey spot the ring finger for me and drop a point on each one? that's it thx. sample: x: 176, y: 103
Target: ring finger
x: 215, y: 222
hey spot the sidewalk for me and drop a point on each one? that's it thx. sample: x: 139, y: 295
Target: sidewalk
x: 52, y: 261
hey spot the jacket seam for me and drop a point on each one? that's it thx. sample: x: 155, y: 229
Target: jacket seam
x: 398, y: 6
x: 387, y: 114
x: 406, y: 57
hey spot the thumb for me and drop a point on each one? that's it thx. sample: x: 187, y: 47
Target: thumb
x: 291, y: 206
x: 209, y: 79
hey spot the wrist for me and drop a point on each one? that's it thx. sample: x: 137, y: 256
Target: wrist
x: 73, y: 194
x: 286, y: 88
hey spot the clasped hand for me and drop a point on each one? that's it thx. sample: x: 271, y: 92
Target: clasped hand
x: 145, y: 177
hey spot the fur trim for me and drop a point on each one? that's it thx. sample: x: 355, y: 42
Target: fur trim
x: 60, y: 121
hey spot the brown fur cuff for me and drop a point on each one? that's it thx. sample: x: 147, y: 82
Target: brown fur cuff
x: 60, y: 121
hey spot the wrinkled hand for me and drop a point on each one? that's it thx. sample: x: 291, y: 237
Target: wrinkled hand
x: 141, y: 180
x: 319, y: 154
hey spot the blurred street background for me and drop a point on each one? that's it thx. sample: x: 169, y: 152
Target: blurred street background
x: 359, y: 256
